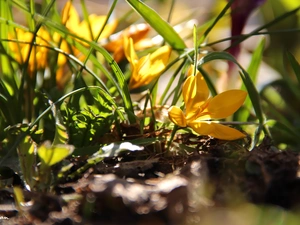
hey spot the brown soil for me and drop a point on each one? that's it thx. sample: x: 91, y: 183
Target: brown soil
x: 163, y: 188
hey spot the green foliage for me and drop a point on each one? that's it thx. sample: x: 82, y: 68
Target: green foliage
x: 279, y: 103
x: 88, y: 125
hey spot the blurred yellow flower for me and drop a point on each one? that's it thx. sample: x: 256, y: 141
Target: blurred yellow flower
x: 147, y: 68
x: 88, y: 30
x: 37, y: 54
x: 137, y: 32
x: 84, y: 29
x: 200, y: 108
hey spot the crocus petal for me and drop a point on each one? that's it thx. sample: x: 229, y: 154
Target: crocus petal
x: 176, y: 116
x: 71, y: 20
x: 37, y: 54
x: 130, y: 52
x: 137, y: 32
x: 201, y: 127
x: 225, y: 104
x: 97, y: 22
x: 147, y: 68
x: 216, y: 130
x: 195, y: 93
x: 140, y: 73
x: 159, y: 60
x: 70, y: 17
x: 143, y: 66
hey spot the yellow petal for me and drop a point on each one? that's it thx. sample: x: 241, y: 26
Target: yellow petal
x: 159, y: 60
x: 201, y: 89
x: 226, y: 103
x: 37, y: 54
x: 137, y: 32
x: 70, y: 16
x: 140, y: 75
x: 148, y: 67
x: 201, y: 127
x: 195, y: 93
x: 71, y: 20
x: 216, y: 130
x: 176, y: 116
x: 97, y: 23
x: 129, y: 51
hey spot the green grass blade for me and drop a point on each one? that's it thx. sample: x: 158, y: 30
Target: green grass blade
x: 4, y: 28
x: 214, y: 22
x: 160, y: 25
x: 292, y: 84
x: 163, y: 99
x: 252, y: 70
x: 208, y: 81
x: 295, y: 65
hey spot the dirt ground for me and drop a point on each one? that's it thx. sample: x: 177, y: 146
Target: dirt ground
x: 216, y: 181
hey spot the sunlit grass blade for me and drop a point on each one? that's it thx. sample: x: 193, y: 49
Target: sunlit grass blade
x: 9, y: 83
x: 5, y: 62
x: 252, y: 70
x: 160, y: 25
x: 27, y: 156
x: 61, y: 135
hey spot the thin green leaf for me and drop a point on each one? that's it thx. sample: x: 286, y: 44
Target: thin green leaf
x: 195, y: 49
x: 4, y: 28
x: 243, y: 114
x: 157, y: 23
x: 214, y: 22
x: 208, y: 81
x: 295, y: 65
x: 163, y: 99
x: 27, y: 156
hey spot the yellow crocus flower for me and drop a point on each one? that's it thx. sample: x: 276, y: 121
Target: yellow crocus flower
x: 201, y: 109
x: 138, y: 34
x: 147, y: 68
x: 37, y: 53
x: 70, y: 18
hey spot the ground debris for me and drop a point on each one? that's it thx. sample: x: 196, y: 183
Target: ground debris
x: 169, y: 189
